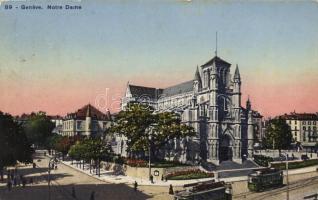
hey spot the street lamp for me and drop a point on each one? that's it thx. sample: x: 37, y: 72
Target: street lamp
x: 287, y: 182
x: 52, y: 161
x: 150, y: 129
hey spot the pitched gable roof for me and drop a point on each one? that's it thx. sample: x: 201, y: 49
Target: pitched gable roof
x: 89, y: 111
x: 217, y: 60
x: 141, y: 91
x: 178, y: 89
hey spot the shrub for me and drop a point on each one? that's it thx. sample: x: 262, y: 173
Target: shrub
x: 263, y: 160
x: 295, y: 164
x: 118, y: 160
x: 136, y: 163
x: 188, y: 174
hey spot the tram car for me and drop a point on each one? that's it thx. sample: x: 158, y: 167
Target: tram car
x: 263, y: 179
x: 205, y: 191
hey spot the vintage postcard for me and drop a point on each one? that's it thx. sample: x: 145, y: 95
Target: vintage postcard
x: 158, y: 99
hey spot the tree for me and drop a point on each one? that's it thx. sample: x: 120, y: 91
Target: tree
x: 39, y: 128
x: 278, y: 135
x: 13, y: 142
x: 133, y: 123
x: 92, y: 149
x: 144, y: 128
x: 63, y: 145
x: 77, y: 151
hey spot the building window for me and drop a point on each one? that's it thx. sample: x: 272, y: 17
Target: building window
x: 309, y: 123
x: 304, y: 122
x: 314, y: 122
x: 304, y: 128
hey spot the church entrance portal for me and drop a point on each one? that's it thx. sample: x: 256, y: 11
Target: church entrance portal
x: 226, y: 152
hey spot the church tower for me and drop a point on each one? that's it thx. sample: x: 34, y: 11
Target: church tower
x: 250, y: 129
x: 88, y: 121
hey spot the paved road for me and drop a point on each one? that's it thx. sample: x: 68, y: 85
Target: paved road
x: 64, y: 178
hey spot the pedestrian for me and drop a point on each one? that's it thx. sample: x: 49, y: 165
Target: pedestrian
x: 92, y: 197
x: 1, y: 175
x: 31, y: 180
x: 151, y: 179
x: 23, y: 182
x: 15, y: 181
x: 73, y: 192
x: 34, y: 165
x: 171, y: 189
x: 9, y: 185
x: 135, y: 186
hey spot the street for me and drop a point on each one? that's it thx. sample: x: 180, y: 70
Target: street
x: 64, y: 178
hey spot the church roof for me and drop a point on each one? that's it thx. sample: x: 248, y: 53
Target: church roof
x: 178, y: 89
x: 89, y: 111
x: 155, y: 93
x: 216, y: 60
x: 141, y: 91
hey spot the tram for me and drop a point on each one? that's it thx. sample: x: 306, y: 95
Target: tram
x: 205, y: 191
x: 263, y: 179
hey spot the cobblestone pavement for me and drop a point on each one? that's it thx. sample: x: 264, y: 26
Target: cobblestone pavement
x: 64, y: 178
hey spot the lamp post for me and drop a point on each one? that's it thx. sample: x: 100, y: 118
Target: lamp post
x: 150, y: 129
x: 52, y: 160
x: 287, y: 181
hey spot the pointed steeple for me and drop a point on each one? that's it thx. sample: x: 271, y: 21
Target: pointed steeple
x: 248, y: 103
x: 88, y: 111
x: 237, y: 73
x: 197, y: 76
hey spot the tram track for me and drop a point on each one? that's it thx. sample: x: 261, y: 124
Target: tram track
x: 269, y: 193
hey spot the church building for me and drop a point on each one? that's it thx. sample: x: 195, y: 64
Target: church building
x: 211, y: 103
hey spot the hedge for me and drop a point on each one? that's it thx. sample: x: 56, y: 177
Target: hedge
x: 295, y: 164
x: 263, y: 160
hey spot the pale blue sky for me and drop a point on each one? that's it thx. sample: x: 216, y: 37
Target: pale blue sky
x: 157, y: 42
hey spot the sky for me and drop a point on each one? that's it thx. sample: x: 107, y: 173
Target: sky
x: 59, y: 60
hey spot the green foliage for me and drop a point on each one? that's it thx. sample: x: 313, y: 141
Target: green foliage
x: 143, y: 127
x: 263, y: 160
x: 189, y: 174
x: 295, y: 164
x: 278, y: 135
x: 38, y: 129
x: 52, y: 141
x: 13, y: 142
x: 77, y: 151
x: 90, y: 149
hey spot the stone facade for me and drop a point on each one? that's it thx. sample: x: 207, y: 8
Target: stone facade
x: 211, y: 103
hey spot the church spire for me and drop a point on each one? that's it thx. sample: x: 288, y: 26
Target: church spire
x: 216, y: 44
x: 237, y: 73
x: 88, y: 111
x: 197, y: 76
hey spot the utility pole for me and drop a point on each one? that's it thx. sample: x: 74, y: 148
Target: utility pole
x: 287, y: 181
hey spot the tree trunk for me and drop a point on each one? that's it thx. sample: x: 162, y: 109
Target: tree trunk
x: 90, y: 167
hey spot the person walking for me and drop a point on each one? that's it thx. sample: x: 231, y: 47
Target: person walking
x: 135, y: 186
x: 171, y: 189
x: 23, y: 182
x: 92, y: 197
x: 9, y: 185
x: 73, y: 192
